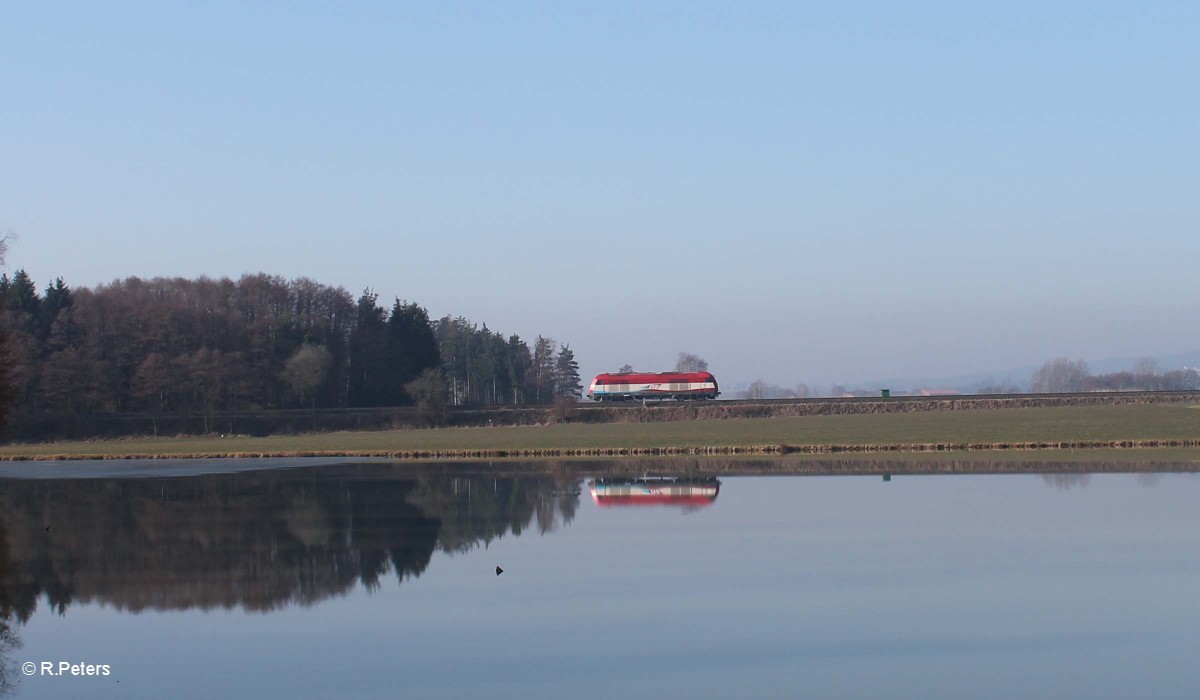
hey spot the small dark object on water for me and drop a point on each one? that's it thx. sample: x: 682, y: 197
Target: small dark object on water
x: 47, y: 528
x: 887, y: 477
x: 499, y: 571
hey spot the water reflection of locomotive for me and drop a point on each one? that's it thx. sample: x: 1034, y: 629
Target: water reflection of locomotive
x: 630, y: 386
x: 653, y: 491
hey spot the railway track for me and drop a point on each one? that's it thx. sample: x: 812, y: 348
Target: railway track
x: 1088, y: 396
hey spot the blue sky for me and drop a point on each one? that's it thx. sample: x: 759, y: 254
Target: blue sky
x: 823, y: 193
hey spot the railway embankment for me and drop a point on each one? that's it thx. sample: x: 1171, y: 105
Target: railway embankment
x: 1008, y: 428
x: 262, y: 423
x: 674, y: 411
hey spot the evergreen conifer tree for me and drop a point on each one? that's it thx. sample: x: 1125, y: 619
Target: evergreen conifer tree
x: 367, y: 352
x: 6, y: 388
x: 566, y: 374
x: 543, y: 369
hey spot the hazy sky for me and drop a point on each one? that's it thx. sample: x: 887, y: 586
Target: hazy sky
x: 798, y: 193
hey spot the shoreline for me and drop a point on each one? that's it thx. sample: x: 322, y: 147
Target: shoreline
x: 1013, y: 430
x: 669, y: 451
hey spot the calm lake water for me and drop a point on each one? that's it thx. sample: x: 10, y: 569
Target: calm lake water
x: 378, y: 580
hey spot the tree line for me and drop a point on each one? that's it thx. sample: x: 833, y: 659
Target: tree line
x: 203, y: 346
x: 482, y: 367
x: 1065, y: 375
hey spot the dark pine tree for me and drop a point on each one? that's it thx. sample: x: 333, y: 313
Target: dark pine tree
x: 543, y: 370
x: 22, y: 295
x: 566, y: 374
x: 520, y: 360
x: 6, y: 389
x: 57, y: 299
x: 368, y: 357
x: 411, y: 349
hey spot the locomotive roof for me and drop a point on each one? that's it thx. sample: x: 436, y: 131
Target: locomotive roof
x: 625, y: 374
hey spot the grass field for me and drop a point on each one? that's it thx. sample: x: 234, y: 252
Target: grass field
x: 1075, y: 423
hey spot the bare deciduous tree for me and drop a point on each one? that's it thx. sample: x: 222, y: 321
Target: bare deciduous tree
x: 688, y: 362
x: 5, y: 241
x: 563, y: 410
x: 431, y: 394
x: 306, y: 369
x: 763, y: 390
x: 1059, y: 375
x: 1181, y: 379
x: 757, y: 390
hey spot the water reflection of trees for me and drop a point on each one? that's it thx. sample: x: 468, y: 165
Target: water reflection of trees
x: 255, y: 540
x: 1070, y: 481
x: 1149, y: 480
x: 8, y: 666
x: 1067, y: 481
x: 9, y: 641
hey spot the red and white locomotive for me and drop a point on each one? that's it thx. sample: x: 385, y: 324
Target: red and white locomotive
x: 661, y: 385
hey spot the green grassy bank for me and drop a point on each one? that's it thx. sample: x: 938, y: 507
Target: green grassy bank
x: 1152, y: 422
